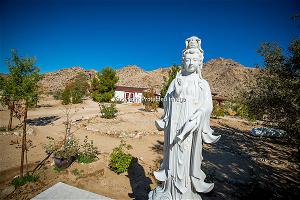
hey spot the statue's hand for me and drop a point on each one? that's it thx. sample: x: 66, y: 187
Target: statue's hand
x: 178, y: 86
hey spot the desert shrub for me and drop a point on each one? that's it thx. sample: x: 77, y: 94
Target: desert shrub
x: 150, y: 101
x: 218, y: 110
x: 19, y: 181
x: 66, y: 97
x: 62, y: 149
x: 235, y: 107
x: 57, y: 95
x: 108, y: 111
x: 75, y: 172
x: 88, y: 152
x: 120, y: 161
x: 275, y: 98
x: 243, y: 111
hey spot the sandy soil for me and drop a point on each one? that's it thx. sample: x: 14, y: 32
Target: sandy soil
x: 242, y: 166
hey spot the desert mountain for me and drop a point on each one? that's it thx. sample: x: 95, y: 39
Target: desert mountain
x: 225, y: 76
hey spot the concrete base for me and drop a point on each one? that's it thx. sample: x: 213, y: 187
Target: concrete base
x: 64, y: 191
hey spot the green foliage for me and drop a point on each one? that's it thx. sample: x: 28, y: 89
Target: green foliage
x: 276, y: 96
x: 62, y: 149
x: 57, y: 95
x: 88, y: 152
x: 218, y: 110
x: 167, y: 81
x: 66, y: 97
x: 150, y: 101
x: 76, y: 90
x: 75, y: 172
x: 57, y: 169
x: 104, y: 97
x: 104, y: 84
x: 19, y: 181
x: 3, y: 128
x: 21, y: 82
x: 243, y: 111
x: 108, y: 112
x: 237, y: 108
x: 20, y: 86
x: 120, y: 161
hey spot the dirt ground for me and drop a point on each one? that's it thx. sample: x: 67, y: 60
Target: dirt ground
x: 240, y: 165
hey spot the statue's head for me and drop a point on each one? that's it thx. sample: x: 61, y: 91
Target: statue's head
x: 193, y: 43
x: 192, y: 60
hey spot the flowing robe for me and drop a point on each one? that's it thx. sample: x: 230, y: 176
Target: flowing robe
x: 180, y: 170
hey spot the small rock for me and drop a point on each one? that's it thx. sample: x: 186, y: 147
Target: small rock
x: 30, y: 131
x: 138, y: 135
x: 17, y: 133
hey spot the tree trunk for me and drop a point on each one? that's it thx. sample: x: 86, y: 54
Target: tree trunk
x: 23, y: 140
x: 11, y: 116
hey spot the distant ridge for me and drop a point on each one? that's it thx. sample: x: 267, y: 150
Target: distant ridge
x: 225, y: 76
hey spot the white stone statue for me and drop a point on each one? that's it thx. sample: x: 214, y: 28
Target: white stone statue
x: 187, y: 109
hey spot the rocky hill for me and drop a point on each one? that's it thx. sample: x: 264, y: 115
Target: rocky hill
x: 226, y: 77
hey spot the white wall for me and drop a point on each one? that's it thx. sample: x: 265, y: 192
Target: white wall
x: 121, y: 95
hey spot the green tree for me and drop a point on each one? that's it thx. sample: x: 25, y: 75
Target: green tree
x: 75, y: 90
x: 104, y: 84
x: 167, y: 81
x: 8, y: 97
x: 21, y: 86
x: 275, y: 97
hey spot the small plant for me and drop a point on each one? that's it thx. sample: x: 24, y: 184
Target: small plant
x: 19, y: 181
x: 57, y: 169
x: 120, y: 161
x: 68, y: 150
x: 75, y: 172
x: 3, y: 128
x: 88, y: 152
x: 62, y: 149
x: 108, y: 112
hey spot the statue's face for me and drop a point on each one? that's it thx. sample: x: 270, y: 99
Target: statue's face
x: 193, y: 44
x: 191, y: 62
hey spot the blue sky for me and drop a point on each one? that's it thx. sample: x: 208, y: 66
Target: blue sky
x: 150, y: 33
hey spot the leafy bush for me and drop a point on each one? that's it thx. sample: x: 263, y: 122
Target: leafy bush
x: 66, y: 97
x: 275, y: 98
x: 88, y: 152
x: 57, y: 95
x: 62, y: 149
x: 218, y: 110
x: 108, y: 112
x: 76, y: 172
x: 19, y: 181
x: 120, y: 161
